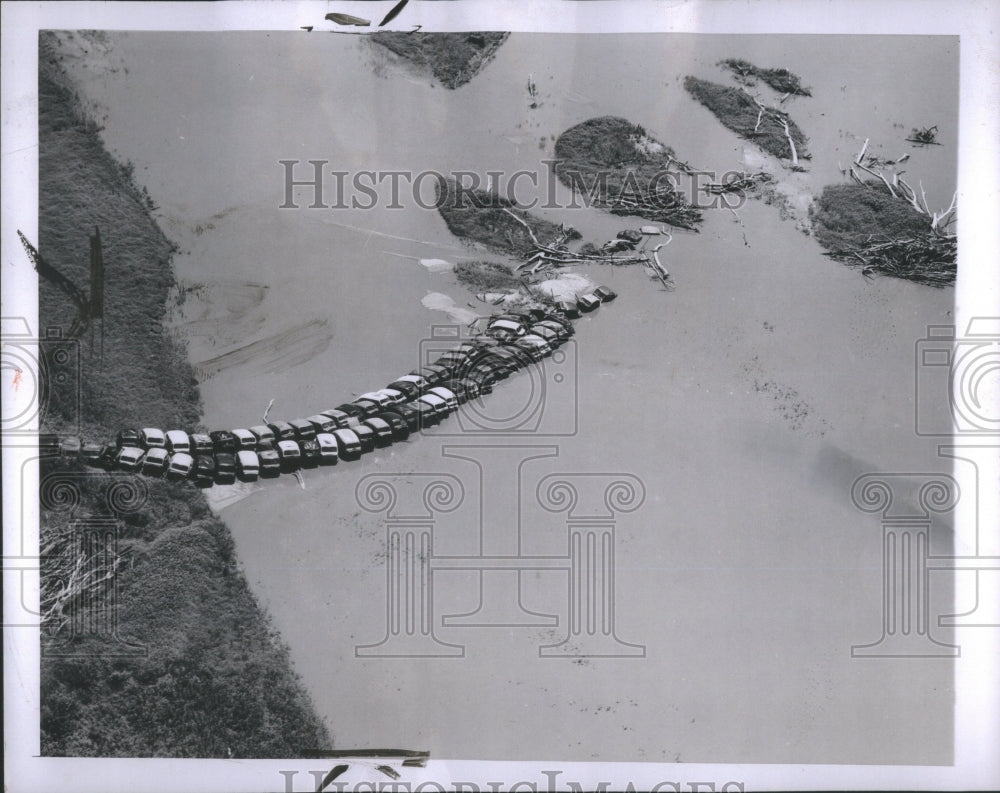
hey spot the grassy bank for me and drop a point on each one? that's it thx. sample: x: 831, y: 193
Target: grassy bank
x: 738, y: 112
x: 781, y: 80
x: 215, y: 680
x: 862, y: 225
x: 451, y: 58
x: 617, y: 166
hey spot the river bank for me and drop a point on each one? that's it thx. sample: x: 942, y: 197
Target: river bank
x: 214, y: 679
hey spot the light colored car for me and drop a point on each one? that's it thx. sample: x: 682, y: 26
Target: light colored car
x: 437, y: 404
x: 378, y: 397
x: 449, y: 396
x: 245, y: 439
x: 180, y: 466
x: 129, y: 458
x: 323, y: 423
x: 534, y: 345
x: 328, y: 448
x: 247, y: 465
x: 263, y: 434
x: 177, y: 441
x: 155, y: 462
x: 150, y: 437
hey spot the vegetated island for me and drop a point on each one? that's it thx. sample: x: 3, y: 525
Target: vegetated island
x: 865, y: 225
x: 781, y: 80
x: 451, y: 58
x: 768, y: 127
x: 214, y: 679
x: 624, y: 171
x: 491, y: 220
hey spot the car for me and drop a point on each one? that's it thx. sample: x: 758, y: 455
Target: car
x: 352, y: 410
x: 449, y: 397
x: 459, y: 388
x: 486, y: 342
x: 484, y: 376
x: 180, y: 466
x: 368, y: 407
x: 109, y: 457
x: 304, y: 429
x: 588, y: 302
x: 245, y: 439
x: 513, y: 357
x: 150, y: 437
x: 247, y: 465
x: 383, y: 397
x: 201, y: 444
x: 348, y: 443
x: 311, y: 454
x: 560, y: 325
x: 409, y: 415
x: 90, y: 453
x: 338, y: 416
x: 263, y: 434
x: 290, y: 454
x: 327, y: 448
x: 155, y: 462
x: 225, y: 468
x: 382, y: 430
x: 432, y: 374
x: 223, y: 441
x: 128, y: 437
x: 571, y: 310
x: 366, y: 436
x: 552, y: 337
x: 412, y: 384
x: 466, y: 348
x: 512, y: 322
x: 203, y: 472
x: 502, y: 335
x: 69, y: 446
x: 129, y: 458
x: 605, y: 294
x: 177, y: 441
x: 451, y: 359
x: 283, y: 431
x: 270, y: 463
x: 438, y: 404
x: 505, y: 330
x: 400, y: 429
x: 322, y: 423
x: 535, y: 346
x: 427, y: 413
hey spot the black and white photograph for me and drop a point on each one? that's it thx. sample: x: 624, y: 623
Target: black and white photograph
x: 470, y: 396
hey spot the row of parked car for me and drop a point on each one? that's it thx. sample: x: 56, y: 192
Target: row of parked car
x: 419, y: 399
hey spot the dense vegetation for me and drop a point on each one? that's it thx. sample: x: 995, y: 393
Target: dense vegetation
x: 738, y: 111
x: 487, y: 276
x: 452, y: 58
x: 620, y: 168
x: 864, y: 226
x: 215, y: 681
x: 491, y: 220
x: 781, y: 80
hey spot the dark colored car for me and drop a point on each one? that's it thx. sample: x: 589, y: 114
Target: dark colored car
x: 382, y: 429
x: 366, y: 436
x: 225, y: 468
x: 409, y: 415
x: 555, y: 338
x: 311, y: 453
x: 428, y: 416
x: 410, y: 385
x: 322, y: 423
x: 155, y: 462
x: 200, y: 444
x: 283, y: 431
x: 605, y: 294
x: 223, y: 442
x: 432, y: 374
x: 263, y: 434
x: 107, y: 458
x: 203, y: 472
x: 369, y: 408
x: 338, y: 416
x: 351, y: 410
x: 129, y: 437
x: 304, y: 429
x: 400, y: 429
x: 90, y: 453
x: 270, y: 463
x: 291, y: 455
x: 348, y: 443
x: 570, y: 310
